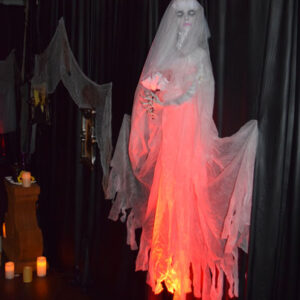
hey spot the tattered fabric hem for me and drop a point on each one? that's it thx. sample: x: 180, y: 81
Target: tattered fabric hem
x: 206, y: 280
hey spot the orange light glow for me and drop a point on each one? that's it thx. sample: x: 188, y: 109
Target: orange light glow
x: 172, y: 283
x: 9, y: 270
x: 41, y: 266
x: 4, y: 230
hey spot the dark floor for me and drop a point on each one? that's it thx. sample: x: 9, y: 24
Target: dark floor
x: 54, y: 286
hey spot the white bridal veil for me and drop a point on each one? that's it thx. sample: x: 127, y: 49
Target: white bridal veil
x: 188, y: 189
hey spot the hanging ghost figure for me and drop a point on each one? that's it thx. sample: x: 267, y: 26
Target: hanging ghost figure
x: 195, y: 202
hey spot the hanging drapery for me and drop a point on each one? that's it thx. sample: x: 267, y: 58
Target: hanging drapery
x: 57, y: 63
x: 193, y: 200
x: 7, y: 95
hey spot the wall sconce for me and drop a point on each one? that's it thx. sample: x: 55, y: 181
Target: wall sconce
x: 40, y: 106
x: 88, y: 137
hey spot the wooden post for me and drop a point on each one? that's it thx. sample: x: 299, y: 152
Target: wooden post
x: 24, y: 241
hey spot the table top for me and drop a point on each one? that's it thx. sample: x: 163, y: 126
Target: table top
x: 18, y: 190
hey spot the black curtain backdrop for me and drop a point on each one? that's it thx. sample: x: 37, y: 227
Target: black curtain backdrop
x: 255, y: 55
x: 11, y: 33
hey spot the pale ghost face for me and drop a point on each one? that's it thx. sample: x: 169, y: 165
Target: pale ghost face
x: 186, y: 11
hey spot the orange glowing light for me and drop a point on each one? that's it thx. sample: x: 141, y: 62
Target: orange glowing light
x: 41, y: 266
x: 172, y: 283
x: 9, y: 270
x: 4, y: 230
x: 171, y: 279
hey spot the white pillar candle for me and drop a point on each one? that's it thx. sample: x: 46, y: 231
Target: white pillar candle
x: 41, y: 266
x: 26, y: 179
x: 9, y: 270
x: 27, y: 274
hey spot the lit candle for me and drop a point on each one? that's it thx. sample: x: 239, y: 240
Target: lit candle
x: 4, y: 230
x: 26, y: 179
x: 9, y: 270
x: 27, y: 274
x: 41, y: 266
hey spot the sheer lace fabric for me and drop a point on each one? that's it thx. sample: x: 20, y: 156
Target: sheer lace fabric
x: 195, y: 204
x: 57, y: 63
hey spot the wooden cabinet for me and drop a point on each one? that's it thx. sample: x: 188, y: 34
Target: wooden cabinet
x: 23, y: 242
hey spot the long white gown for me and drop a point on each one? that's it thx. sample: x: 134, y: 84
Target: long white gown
x: 193, y: 190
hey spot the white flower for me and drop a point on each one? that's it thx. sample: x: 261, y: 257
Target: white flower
x: 155, y: 82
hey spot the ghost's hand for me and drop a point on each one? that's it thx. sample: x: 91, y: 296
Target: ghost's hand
x: 151, y: 103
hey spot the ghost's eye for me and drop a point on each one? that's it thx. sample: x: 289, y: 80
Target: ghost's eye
x: 179, y: 13
x: 191, y: 12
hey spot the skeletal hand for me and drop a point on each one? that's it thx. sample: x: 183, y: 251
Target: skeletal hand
x: 150, y: 101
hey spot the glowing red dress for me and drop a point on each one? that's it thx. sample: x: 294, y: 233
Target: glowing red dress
x: 194, y: 201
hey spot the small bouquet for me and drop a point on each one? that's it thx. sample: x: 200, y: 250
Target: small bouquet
x: 155, y: 82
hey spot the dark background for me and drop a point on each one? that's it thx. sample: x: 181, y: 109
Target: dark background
x: 255, y: 55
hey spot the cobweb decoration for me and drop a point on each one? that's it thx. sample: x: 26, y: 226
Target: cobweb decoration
x: 7, y: 94
x: 57, y: 63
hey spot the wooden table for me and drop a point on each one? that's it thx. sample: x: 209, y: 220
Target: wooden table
x: 24, y: 241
